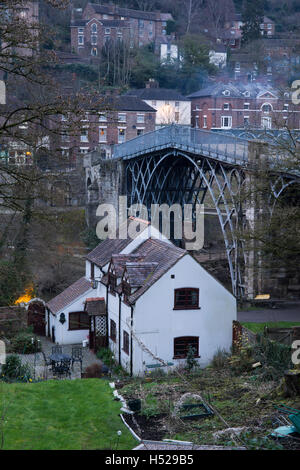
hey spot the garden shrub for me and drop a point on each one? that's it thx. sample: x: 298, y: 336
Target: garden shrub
x: 13, y: 369
x: 106, y: 356
x: 25, y: 343
x: 220, y: 359
x: 94, y: 371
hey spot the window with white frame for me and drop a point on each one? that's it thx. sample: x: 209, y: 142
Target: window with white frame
x: 140, y: 118
x: 107, y: 30
x: 80, y: 40
x: 80, y: 30
x: 94, y: 28
x: 266, y: 108
x: 121, y: 135
x: 246, y: 105
x: 226, y: 106
x: 102, y: 134
x: 102, y: 117
x: 94, y: 39
x: 285, y: 106
x: 204, y: 121
x: 84, y: 136
x: 266, y: 122
x: 122, y: 117
x: 140, y: 131
x: 226, y: 122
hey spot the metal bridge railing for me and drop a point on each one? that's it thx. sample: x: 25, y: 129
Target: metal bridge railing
x: 197, y: 141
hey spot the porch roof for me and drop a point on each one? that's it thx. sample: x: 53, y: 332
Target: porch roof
x: 95, y: 306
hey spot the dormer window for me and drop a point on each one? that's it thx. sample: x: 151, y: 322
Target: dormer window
x: 246, y: 93
x: 112, y: 282
x: 226, y: 93
x: 126, y: 289
x: 94, y: 28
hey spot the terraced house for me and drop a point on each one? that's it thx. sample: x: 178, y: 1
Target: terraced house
x: 147, y: 300
x: 97, y: 24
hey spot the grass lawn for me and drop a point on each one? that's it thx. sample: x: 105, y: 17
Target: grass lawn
x: 62, y: 415
x: 259, y: 327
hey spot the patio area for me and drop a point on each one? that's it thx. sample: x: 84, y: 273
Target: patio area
x: 41, y: 371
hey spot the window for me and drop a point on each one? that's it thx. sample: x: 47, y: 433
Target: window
x: 226, y: 106
x: 153, y: 103
x: 80, y: 40
x: 286, y: 107
x: 204, y: 122
x: 182, y: 345
x: 226, y: 122
x: 269, y: 26
x: 102, y: 117
x: 94, y: 39
x: 79, y: 321
x: 92, y: 271
x: 107, y: 30
x: 84, y: 136
x: 140, y: 118
x: 246, y: 105
x: 122, y: 117
x: 141, y: 24
x: 176, y: 117
x: 125, y: 342
x: 102, y: 134
x: 176, y: 104
x: 186, y: 298
x: 94, y: 51
x: 266, y: 122
x: 121, y: 136
x: 94, y: 28
x: 246, y: 121
x: 113, y: 331
x: 84, y: 150
x: 80, y: 30
x: 139, y: 132
x: 266, y: 108
x: 227, y: 93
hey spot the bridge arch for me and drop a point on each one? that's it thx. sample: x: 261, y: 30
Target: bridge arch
x: 177, y: 177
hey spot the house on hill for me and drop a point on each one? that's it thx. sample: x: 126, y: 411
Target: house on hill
x: 171, y: 107
x: 147, y: 300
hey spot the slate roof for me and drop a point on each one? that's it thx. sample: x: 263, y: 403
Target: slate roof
x: 160, y: 252
x: 119, y: 262
x: 132, y: 103
x: 69, y: 295
x: 237, y: 90
x: 139, y: 273
x: 127, y: 12
x: 101, y: 255
x: 157, y: 94
x: 95, y: 306
x: 78, y: 23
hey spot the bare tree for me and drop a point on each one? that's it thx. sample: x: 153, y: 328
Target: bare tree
x: 218, y: 12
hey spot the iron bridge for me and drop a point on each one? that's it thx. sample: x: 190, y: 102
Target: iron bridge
x: 179, y: 164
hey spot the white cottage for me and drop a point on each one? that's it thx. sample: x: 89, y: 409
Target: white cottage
x: 145, y: 299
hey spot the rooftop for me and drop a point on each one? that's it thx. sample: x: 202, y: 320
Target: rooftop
x: 69, y: 295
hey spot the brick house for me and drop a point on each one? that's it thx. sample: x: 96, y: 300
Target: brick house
x: 232, y: 34
x: 118, y: 119
x: 230, y: 106
x: 98, y: 24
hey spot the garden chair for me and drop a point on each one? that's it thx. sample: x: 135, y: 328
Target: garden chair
x: 77, y: 356
x: 56, y: 349
x: 62, y: 368
x: 47, y: 361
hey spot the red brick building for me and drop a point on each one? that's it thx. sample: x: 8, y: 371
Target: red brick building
x: 97, y: 24
x: 121, y: 118
x: 231, y: 106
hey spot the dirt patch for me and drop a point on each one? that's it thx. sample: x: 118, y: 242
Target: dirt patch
x: 149, y: 428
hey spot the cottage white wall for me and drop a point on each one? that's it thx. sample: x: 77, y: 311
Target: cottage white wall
x: 166, y: 112
x: 62, y: 333
x: 88, y: 270
x: 157, y: 324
